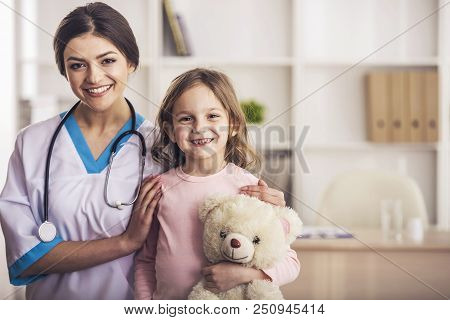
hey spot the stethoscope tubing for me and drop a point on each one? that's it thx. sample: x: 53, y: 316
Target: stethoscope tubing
x: 113, y: 152
x: 49, y: 157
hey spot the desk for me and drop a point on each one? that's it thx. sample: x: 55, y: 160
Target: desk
x: 371, y: 267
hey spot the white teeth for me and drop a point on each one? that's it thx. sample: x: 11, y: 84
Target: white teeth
x: 201, y: 141
x: 99, y: 90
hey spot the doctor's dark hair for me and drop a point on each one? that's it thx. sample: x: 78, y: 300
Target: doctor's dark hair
x: 237, y: 149
x: 101, y: 20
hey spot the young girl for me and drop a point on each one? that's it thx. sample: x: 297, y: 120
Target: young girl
x: 203, y: 138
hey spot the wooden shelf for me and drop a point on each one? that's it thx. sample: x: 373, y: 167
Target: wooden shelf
x: 223, y: 61
x: 392, y: 62
x: 371, y: 146
x: 274, y: 146
x: 353, y: 146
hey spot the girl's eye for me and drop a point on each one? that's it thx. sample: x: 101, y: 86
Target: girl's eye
x: 223, y: 234
x: 185, y: 119
x: 213, y: 116
x: 108, y: 61
x: 76, y: 66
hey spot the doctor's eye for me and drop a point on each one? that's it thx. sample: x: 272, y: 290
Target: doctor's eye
x: 76, y: 66
x: 256, y: 240
x: 223, y: 234
x: 108, y: 61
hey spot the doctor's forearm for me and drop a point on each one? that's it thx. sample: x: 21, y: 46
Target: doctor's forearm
x: 69, y: 256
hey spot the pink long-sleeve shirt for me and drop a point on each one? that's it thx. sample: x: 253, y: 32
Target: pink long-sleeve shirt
x: 171, y: 260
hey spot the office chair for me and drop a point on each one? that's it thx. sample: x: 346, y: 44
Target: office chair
x: 353, y: 199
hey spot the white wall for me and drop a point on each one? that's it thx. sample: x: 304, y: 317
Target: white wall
x: 7, y: 125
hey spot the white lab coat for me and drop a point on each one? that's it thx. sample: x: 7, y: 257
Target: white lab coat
x: 76, y: 207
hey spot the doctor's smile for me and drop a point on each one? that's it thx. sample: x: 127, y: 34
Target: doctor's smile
x: 98, y: 91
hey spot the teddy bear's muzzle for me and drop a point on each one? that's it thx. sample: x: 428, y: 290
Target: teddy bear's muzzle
x: 237, y: 248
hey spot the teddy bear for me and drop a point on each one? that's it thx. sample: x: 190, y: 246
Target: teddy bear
x: 245, y: 230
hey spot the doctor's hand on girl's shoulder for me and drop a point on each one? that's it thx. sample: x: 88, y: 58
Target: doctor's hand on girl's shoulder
x: 264, y: 193
x: 143, y: 211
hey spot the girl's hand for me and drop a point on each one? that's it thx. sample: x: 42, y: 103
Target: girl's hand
x: 264, y: 193
x: 142, y: 215
x: 224, y: 276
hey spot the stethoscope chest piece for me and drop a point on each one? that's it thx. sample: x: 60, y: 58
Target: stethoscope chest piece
x: 118, y: 205
x: 47, y: 231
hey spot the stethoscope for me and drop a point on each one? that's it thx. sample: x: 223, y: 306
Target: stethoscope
x: 47, y: 230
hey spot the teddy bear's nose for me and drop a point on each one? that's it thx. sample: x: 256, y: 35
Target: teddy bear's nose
x: 235, y: 243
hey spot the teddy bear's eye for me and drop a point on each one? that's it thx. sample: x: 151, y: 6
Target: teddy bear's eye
x: 223, y: 234
x: 256, y: 240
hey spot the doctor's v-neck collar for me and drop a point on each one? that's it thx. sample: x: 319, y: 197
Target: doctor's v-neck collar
x: 96, y: 166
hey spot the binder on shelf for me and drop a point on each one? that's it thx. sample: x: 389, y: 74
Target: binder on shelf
x: 174, y: 26
x: 432, y: 106
x: 399, y: 107
x: 416, y: 122
x: 378, y: 117
x: 184, y: 34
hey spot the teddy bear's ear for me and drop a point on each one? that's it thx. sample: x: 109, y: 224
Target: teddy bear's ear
x: 208, y: 205
x: 290, y: 221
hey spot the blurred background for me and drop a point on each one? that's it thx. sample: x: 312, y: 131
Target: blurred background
x: 348, y: 103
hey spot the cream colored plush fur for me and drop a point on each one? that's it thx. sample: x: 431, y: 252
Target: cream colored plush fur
x: 245, y: 230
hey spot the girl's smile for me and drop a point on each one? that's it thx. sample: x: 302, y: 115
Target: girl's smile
x: 202, y: 142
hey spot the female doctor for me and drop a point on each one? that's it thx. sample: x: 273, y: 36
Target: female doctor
x: 90, y: 253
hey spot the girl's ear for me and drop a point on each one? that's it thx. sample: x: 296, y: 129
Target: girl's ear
x: 168, y: 129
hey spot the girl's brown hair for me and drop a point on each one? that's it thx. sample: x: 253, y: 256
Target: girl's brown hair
x: 237, y: 151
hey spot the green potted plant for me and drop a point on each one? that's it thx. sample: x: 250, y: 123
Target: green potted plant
x: 253, y: 111
x: 254, y: 115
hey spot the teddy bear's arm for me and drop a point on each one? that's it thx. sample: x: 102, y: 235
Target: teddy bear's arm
x: 263, y: 290
x: 200, y: 293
